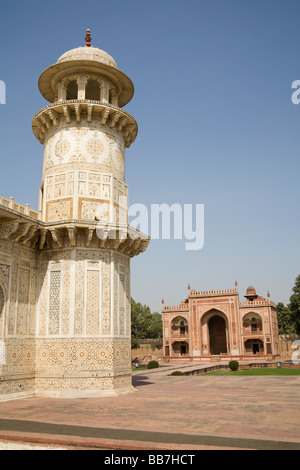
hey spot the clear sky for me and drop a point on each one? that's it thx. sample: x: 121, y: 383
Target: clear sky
x: 216, y: 127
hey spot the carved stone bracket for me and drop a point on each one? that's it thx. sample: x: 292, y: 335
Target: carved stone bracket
x: 21, y: 232
x: 72, y: 233
x: 57, y: 237
x: 89, y: 232
x: 43, y: 236
x: 8, y: 229
x: 106, y: 114
x: 30, y: 234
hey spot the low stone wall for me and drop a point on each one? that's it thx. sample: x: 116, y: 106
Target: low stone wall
x: 149, y: 349
x: 287, y: 346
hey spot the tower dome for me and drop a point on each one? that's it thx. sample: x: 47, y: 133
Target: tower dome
x: 90, y: 54
x: 85, y: 60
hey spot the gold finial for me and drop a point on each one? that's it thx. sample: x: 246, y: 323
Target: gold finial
x: 88, y: 38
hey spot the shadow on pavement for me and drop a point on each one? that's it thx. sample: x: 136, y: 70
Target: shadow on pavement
x: 140, y: 380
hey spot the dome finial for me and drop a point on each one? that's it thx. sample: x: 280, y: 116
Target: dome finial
x: 88, y: 38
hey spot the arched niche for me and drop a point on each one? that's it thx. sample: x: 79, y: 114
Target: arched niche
x: 179, y: 326
x: 252, y: 323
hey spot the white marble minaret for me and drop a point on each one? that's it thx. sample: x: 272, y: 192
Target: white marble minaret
x: 83, y: 344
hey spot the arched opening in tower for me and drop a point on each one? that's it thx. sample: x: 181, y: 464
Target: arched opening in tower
x: 72, y: 90
x: 92, y: 91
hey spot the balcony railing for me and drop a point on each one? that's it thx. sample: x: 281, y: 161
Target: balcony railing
x: 252, y: 333
x: 176, y: 334
x: 11, y: 204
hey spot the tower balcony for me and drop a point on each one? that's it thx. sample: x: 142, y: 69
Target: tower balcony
x: 27, y: 230
x: 84, y: 112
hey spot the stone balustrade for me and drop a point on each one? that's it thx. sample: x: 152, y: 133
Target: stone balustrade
x: 182, y: 308
x: 25, y: 210
x: 253, y: 303
x: 194, y: 293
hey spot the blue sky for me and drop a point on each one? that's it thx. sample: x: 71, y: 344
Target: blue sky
x: 216, y: 127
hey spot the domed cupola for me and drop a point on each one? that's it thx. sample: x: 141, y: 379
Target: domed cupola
x: 251, y: 294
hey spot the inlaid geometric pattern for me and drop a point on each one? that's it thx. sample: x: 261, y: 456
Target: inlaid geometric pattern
x: 62, y: 147
x: 93, y: 300
x: 94, y: 189
x: 94, y: 177
x: 122, y: 301
x: 4, y: 276
x: 59, y: 210
x: 65, y: 320
x: 91, y: 209
x: 43, y: 300
x: 23, y: 301
x: 54, y: 303
x: 2, y: 302
x: 106, y: 191
x: 82, y: 354
x: 94, y: 147
x: 78, y: 132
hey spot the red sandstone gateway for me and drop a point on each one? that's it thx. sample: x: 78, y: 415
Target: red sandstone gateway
x: 216, y: 325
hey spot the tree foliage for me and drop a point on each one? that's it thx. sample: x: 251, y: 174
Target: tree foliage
x: 289, y: 316
x: 285, y: 322
x: 144, y: 323
x: 294, y: 305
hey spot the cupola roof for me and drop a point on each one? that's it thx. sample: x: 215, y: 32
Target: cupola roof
x: 88, y: 53
x: 86, y: 59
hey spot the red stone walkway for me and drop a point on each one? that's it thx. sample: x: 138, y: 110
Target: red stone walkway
x: 167, y: 412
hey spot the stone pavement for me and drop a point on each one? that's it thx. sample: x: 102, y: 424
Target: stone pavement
x: 166, y: 412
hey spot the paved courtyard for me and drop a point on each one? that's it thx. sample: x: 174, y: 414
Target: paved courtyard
x: 167, y: 412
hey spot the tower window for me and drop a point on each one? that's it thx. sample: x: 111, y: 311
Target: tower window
x: 72, y: 90
x: 92, y: 91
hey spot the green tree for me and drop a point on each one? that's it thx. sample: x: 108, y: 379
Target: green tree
x: 294, y: 305
x: 144, y: 323
x: 285, y: 320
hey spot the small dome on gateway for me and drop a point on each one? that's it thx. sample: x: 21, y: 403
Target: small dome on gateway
x: 251, y: 291
x: 251, y: 294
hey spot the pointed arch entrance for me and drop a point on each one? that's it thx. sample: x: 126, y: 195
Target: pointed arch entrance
x: 217, y: 335
x: 214, y: 328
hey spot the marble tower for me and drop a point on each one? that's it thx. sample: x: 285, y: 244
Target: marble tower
x: 65, y: 323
